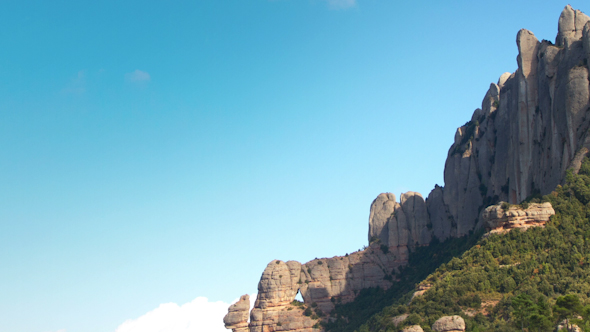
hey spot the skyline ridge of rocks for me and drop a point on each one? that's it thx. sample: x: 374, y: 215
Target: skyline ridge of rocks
x: 533, y: 125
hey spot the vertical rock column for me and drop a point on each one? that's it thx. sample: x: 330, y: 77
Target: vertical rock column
x: 381, y: 210
x: 528, y: 46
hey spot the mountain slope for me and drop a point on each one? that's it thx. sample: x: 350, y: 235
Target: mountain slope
x: 482, y: 284
x: 533, y: 126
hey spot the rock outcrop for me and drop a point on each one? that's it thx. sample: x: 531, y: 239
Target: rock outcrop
x: 533, y: 125
x: 413, y: 328
x: 420, y: 290
x: 564, y: 326
x: 321, y: 282
x: 277, y: 289
x: 449, y: 324
x: 571, y: 25
x: 237, y: 316
x: 399, y: 225
x: 505, y: 217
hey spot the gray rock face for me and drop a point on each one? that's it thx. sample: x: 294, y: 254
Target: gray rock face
x: 399, y: 224
x: 277, y: 288
x: 321, y: 281
x: 440, y: 218
x: 278, y: 284
x: 532, y: 126
x: 586, y: 43
x: 449, y: 324
x: 381, y: 211
x: 340, y: 278
x: 417, y: 218
x: 571, y: 24
x: 237, y: 315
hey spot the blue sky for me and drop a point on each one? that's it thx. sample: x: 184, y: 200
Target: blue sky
x: 160, y: 152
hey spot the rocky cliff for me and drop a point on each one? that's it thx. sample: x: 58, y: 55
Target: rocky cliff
x: 532, y: 126
x: 504, y: 217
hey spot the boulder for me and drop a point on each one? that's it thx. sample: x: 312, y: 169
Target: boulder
x: 449, y: 324
x: 413, y: 328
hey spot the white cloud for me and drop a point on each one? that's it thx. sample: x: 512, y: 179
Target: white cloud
x: 341, y: 4
x: 137, y: 76
x: 199, y: 315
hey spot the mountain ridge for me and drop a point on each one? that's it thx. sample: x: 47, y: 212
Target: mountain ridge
x: 531, y: 128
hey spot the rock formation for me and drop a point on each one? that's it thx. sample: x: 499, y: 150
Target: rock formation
x: 449, y: 324
x: 277, y: 289
x: 420, y: 290
x: 532, y: 126
x: 413, y: 328
x: 237, y: 316
x: 504, y: 217
x: 399, y: 225
x: 322, y: 283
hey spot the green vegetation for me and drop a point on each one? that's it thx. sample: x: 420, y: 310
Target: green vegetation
x: 521, y: 280
x: 422, y: 262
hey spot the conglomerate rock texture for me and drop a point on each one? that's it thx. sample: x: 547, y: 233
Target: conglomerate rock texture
x: 449, y: 324
x: 237, y: 316
x: 321, y: 282
x: 532, y: 126
x: 503, y: 217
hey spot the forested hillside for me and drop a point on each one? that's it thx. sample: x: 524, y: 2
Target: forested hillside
x: 521, y: 280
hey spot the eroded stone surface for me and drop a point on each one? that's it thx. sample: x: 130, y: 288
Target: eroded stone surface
x: 381, y: 211
x: 571, y: 23
x: 237, y: 315
x: 399, y: 225
x: 532, y: 126
x: 449, y: 324
x: 420, y: 290
x: 413, y: 328
x: 321, y: 282
x: 502, y: 218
